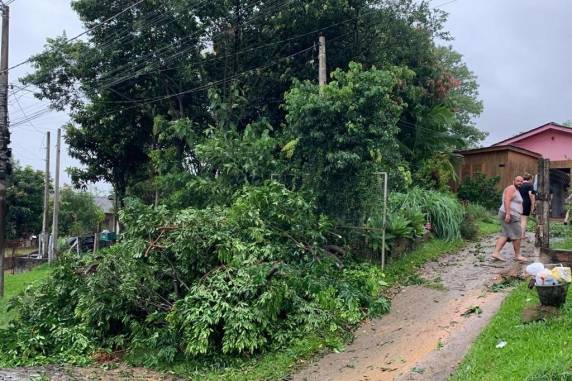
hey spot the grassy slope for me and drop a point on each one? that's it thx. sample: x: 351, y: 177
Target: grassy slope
x: 532, y: 350
x: 15, y: 284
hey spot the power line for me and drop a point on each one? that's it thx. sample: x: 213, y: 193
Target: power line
x: 165, y: 59
x: 445, y: 3
x: 81, y: 34
x: 23, y: 112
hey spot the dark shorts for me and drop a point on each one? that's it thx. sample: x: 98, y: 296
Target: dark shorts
x: 526, y: 210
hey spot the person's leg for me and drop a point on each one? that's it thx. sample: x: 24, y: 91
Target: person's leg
x: 501, y: 241
x: 523, y: 222
x: 517, y: 256
x: 567, y: 217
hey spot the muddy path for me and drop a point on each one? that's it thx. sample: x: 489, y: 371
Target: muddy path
x: 430, y: 327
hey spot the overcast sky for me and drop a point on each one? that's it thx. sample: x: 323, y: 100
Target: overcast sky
x: 519, y: 50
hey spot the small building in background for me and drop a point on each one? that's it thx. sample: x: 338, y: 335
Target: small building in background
x: 105, y: 203
x: 520, y: 154
x: 506, y: 162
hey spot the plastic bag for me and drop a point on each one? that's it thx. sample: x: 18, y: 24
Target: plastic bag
x: 545, y: 278
x: 562, y: 274
x: 534, y: 268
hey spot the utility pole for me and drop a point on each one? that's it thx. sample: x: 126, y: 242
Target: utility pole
x: 5, y: 167
x: 45, y: 235
x: 322, y: 71
x: 54, y: 250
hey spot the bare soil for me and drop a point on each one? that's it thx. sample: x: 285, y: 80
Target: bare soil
x: 430, y: 327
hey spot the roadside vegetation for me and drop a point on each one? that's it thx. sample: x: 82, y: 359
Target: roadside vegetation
x: 252, y: 211
x: 16, y: 284
x: 560, y: 236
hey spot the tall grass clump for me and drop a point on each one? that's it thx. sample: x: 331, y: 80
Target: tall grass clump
x: 442, y: 210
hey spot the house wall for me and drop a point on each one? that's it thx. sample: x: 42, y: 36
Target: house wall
x: 505, y: 164
x: 519, y: 164
x: 551, y: 144
x: 486, y: 163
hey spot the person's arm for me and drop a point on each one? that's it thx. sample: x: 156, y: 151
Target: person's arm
x: 508, y: 195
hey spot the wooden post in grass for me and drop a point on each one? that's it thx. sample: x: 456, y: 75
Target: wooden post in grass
x: 543, y: 207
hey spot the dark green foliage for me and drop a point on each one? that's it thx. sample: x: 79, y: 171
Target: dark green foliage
x: 79, y: 214
x: 341, y: 135
x: 24, y: 200
x: 229, y: 280
x: 469, y: 228
x: 480, y: 189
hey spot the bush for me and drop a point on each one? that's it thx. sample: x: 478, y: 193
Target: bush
x: 442, y: 210
x: 480, y: 189
x: 478, y: 212
x: 180, y: 284
x: 469, y: 228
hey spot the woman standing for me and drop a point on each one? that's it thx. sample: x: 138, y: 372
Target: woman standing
x: 528, y: 195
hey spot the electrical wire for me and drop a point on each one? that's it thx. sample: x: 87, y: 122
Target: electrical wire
x: 81, y: 34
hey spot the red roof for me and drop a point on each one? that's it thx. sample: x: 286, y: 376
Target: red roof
x: 535, y: 131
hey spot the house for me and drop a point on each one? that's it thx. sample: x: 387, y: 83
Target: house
x: 519, y: 154
x: 105, y: 203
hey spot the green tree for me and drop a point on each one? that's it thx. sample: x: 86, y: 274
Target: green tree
x: 24, y: 200
x: 79, y: 214
x: 158, y: 59
x: 342, y: 134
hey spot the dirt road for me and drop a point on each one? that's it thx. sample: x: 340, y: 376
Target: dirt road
x: 430, y: 327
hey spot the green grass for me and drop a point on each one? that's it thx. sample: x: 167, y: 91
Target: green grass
x: 535, y: 351
x: 491, y: 226
x: 562, y: 234
x: 14, y: 284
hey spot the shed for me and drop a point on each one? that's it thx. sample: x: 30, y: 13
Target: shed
x: 106, y: 205
x: 505, y: 161
x: 519, y: 154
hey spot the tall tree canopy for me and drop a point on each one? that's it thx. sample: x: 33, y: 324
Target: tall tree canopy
x: 154, y: 62
x: 25, y: 200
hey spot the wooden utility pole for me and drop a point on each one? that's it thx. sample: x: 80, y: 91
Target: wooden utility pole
x: 322, y: 71
x: 4, y: 133
x: 54, y: 251
x: 45, y: 235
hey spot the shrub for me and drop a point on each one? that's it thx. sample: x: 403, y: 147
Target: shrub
x: 478, y: 212
x: 218, y: 281
x: 469, y: 228
x: 480, y: 189
x: 442, y: 210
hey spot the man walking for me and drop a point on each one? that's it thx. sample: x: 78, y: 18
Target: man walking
x: 509, y: 214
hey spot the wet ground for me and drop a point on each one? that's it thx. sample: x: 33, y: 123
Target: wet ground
x: 430, y: 327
